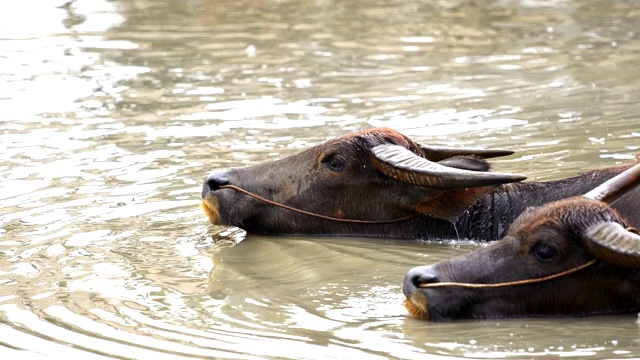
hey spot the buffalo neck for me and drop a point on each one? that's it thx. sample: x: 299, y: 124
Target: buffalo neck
x: 490, y: 216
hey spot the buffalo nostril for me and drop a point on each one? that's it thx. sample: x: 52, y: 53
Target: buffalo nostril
x: 426, y: 279
x: 422, y: 275
x: 214, y: 181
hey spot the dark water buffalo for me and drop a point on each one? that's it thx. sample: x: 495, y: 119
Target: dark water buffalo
x: 572, y: 257
x: 380, y: 183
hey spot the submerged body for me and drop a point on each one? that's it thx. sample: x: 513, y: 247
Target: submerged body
x: 391, y: 186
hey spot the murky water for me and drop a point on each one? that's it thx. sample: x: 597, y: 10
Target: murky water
x: 112, y: 113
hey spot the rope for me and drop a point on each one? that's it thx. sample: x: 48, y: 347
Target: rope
x: 274, y: 203
x: 509, y: 283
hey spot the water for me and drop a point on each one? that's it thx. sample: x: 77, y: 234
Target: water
x: 113, y: 112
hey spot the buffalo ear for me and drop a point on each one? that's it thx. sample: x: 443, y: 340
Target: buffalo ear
x: 450, y: 204
x: 613, y: 244
x: 470, y: 162
x: 437, y: 153
x: 403, y: 165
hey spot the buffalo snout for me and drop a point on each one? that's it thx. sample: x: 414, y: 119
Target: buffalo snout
x: 417, y: 276
x: 214, y: 181
x: 416, y: 300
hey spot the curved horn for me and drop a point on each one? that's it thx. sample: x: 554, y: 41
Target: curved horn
x: 437, y: 153
x: 401, y: 164
x: 612, y: 243
x: 616, y: 187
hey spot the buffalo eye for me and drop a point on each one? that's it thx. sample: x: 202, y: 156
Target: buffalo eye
x: 334, y: 163
x: 544, y: 252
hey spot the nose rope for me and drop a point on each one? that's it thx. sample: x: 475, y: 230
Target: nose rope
x: 509, y: 283
x: 275, y: 203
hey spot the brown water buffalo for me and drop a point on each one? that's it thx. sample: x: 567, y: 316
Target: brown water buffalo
x: 572, y: 257
x: 380, y: 183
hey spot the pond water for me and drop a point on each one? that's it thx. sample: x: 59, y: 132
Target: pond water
x: 113, y: 112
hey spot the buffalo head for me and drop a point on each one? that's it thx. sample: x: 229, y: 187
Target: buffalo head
x: 573, y: 257
x: 372, y: 177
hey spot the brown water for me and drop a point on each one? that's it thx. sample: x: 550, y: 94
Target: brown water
x: 113, y: 112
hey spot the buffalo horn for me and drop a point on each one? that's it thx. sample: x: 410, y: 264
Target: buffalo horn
x: 437, y: 153
x: 616, y: 187
x: 401, y: 164
x: 613, y: 244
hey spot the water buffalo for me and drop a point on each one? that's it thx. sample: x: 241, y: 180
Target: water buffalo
x: 380, y: 183
x: 572, y: 257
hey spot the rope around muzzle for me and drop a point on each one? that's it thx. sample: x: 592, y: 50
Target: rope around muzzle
x: 300, y: 211
x: 509, y: 283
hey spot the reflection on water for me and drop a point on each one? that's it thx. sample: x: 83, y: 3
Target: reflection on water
x: 114, y: 111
